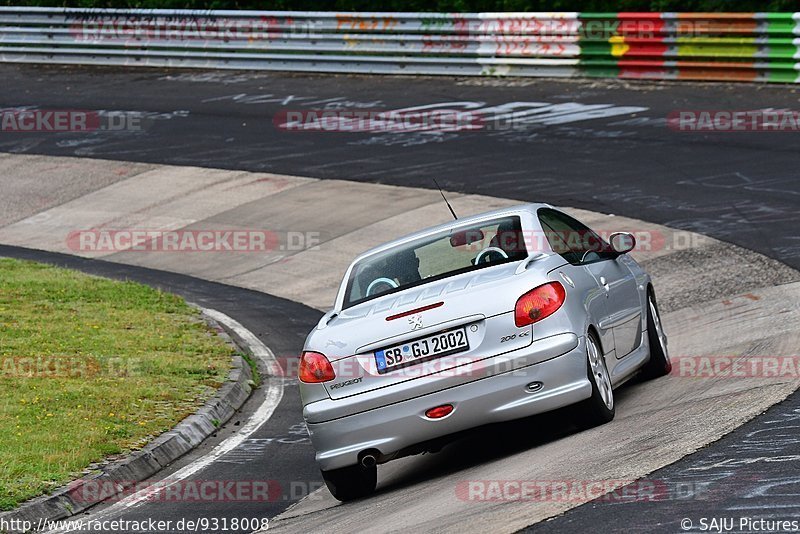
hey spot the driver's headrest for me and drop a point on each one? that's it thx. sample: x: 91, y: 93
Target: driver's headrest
x: 406, y: 266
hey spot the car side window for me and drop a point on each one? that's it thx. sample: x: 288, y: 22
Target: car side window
x: 554, y: 234
x: 573, y: 240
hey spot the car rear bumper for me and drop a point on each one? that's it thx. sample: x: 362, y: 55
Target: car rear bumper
x: 501, y: 397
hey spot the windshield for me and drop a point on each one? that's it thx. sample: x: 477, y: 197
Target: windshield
x: 435, y: 257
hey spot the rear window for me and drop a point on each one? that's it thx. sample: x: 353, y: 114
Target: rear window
x: 435, y: 257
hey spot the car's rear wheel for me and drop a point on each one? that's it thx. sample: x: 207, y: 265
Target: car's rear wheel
x: 353, y: 482
x: 599, y: 408
x: 659, y: 363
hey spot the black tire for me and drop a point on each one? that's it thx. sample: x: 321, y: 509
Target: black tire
x: 595, y: 410
x: 350, y: 483
x: 659, y: 363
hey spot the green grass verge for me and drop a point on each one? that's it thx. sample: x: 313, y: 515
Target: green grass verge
x: 91, y: 368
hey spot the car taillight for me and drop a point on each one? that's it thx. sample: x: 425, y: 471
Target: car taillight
x: 315, y: 368
x: 539, y: 303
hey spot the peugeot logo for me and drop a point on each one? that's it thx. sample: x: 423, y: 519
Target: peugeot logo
x: 415, y: 321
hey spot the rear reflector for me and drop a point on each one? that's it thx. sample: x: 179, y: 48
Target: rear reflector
x: 315, y: 368
x: 439, y: 411
x: 415, y: 310
x: 539, y: 303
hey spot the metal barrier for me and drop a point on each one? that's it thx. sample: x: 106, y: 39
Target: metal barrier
x: 696, y: 46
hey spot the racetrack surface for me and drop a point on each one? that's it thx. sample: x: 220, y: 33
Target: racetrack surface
x: 750, y: 473
x: 747, y: 203
x: 733, y: 316
x: 619, y: 158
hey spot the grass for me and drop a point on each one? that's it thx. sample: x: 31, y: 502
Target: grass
x: 91, y: 368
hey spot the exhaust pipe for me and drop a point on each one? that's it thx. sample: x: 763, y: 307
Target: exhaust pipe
x: 369, y: 460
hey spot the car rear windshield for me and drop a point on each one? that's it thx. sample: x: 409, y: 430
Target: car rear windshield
x: 435, y: 257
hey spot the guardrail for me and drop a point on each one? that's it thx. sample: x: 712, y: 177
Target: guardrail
x: 758, y: 47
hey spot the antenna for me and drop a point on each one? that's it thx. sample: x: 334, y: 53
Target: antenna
x: 445, y: 199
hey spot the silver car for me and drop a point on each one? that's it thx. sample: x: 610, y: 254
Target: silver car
x: 489, y: 318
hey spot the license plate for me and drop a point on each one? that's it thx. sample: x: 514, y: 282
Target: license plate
x: 426, y: 348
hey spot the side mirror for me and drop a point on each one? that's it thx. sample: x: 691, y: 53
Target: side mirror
x: 622, y: 242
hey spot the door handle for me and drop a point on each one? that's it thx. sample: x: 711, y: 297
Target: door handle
x: 604, y: 283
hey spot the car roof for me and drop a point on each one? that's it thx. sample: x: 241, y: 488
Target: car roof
x: 464, y: 221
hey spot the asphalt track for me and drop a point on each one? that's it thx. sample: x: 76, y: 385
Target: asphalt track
x: 747, y: 469
x: 750, y: 473
x: 737, y: 187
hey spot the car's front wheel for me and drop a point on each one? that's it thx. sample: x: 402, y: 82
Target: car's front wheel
x: 599, y: 408
x: 353, y: 482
